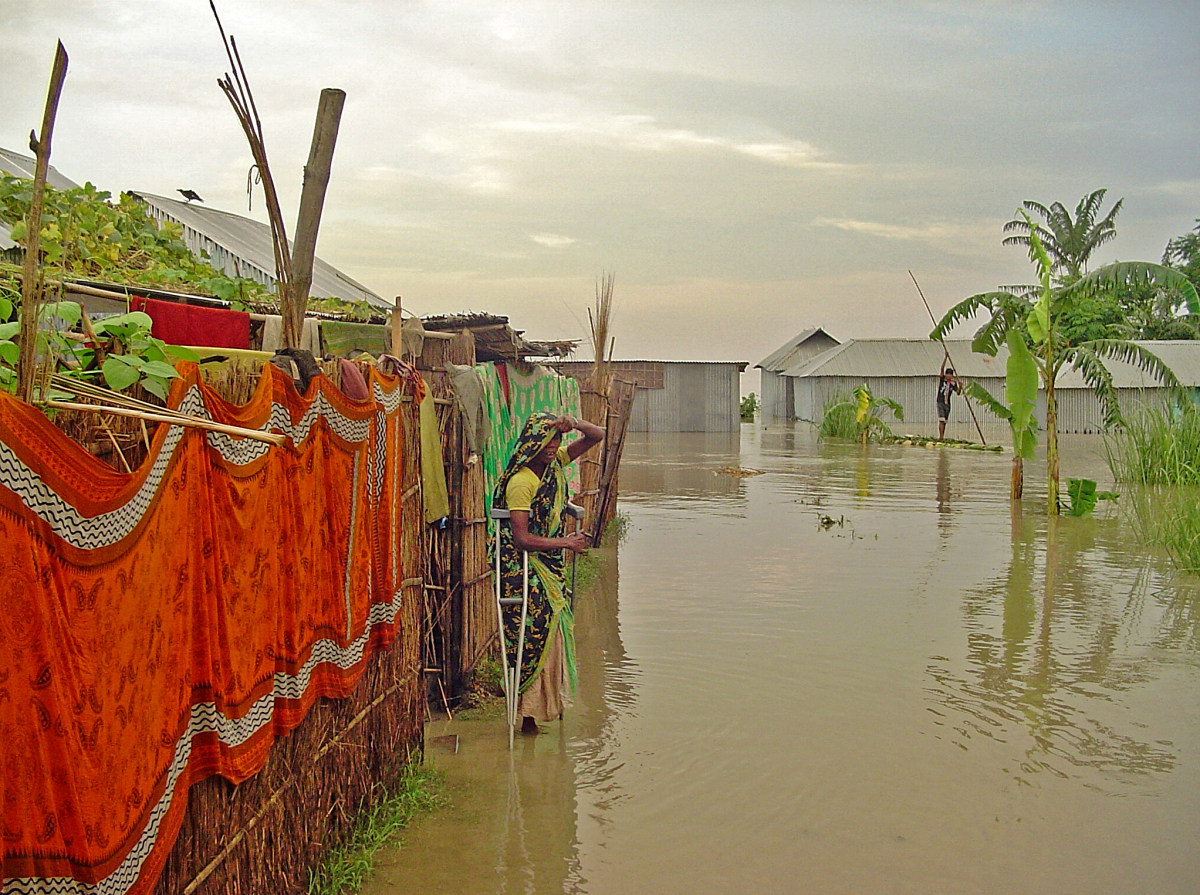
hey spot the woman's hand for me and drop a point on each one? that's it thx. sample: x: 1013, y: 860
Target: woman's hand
x: 576, y: 542
x: 566, y: 424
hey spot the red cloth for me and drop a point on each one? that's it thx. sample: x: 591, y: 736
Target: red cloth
x: 354, y: 386
x: 165, y: 625
x: 179, y: 324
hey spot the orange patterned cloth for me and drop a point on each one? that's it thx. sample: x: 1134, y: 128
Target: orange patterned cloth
x: 166, y: 625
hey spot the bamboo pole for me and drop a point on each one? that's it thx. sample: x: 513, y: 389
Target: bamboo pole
x: 982, y: 440
x: 275, y: 438
x: 312, y: 200
x: 31, y: 288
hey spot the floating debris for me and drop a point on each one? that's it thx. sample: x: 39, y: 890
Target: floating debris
x: 924, y: 441
x: 446, y: 743
x: 739, y: 472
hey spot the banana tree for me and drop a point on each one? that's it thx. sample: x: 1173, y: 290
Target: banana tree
x: 858, y: 417
x: 1020, y: 399
x: 1036, y: 316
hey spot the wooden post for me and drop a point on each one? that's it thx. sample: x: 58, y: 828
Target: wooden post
x: 31, y: 285
x: 312, y: 200
x: 397, y: 331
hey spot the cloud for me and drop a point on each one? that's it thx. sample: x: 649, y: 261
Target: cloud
x: 644, y: 134
x: 552, y: 240
x: 934, y: 232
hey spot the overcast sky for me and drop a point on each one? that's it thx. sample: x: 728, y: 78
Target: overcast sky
x: 746, y: 169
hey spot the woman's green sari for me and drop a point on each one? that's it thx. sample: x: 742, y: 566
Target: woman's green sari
x: 548, y: 608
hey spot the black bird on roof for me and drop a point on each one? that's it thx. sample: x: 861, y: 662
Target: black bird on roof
x: 190, y: 195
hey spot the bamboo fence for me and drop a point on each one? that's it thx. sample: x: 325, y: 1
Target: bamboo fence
x: 268, y: 833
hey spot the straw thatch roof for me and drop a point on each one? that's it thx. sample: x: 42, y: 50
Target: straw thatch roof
x: 495, y: 340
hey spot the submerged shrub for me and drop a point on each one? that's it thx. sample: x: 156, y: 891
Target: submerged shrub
x: 1160, y: 446
x: 837, y: 420
x: 856, y: 417
x: 1169, y: 517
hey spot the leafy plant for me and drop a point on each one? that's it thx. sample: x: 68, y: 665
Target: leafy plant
x: 1159, y: 446
x: 143, y: 359
x: 857, y: 417
x: 131, y: 355
x: 749, y: 407
x: 1169, y: 517
x: 85, y: 234
x: 1083, y: 496
x: 1020, y: 399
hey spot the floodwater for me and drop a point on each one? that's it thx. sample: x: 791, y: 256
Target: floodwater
x: 860, y: 672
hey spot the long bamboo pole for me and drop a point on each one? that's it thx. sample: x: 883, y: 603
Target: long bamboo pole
x: 982, y: 440
x: 31, y: 287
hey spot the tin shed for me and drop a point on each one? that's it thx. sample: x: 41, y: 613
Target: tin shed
x: 777, y: 400
x: 906, y: 370
x: 677, y: 396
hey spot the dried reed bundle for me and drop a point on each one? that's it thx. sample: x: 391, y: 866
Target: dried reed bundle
x: 593, y: 391
x: 235, y: 381
x: 121, y: 442
x: 599, y: 322
x: 617, y: 425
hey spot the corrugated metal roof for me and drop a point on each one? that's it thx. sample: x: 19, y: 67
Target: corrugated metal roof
x: 244, y: 247
x: 878, y: 358
x: 740, y: 364
x: 16, y: 165
x: 870, y: 358
x: 787, y: 355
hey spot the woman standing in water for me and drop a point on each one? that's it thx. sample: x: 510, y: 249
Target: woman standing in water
x: 534, y: 489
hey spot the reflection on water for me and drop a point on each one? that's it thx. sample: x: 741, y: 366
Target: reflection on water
x: 936, y: 692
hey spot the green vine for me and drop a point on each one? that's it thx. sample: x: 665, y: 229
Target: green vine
x: 85, y: 235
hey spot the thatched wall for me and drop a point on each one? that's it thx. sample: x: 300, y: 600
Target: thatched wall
x: 460, y: 616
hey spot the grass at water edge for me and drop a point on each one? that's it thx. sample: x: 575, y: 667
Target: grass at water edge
x: 345, y: 869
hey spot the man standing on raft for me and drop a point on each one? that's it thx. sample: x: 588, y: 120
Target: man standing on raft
x: 948, y: 384
x: 534, y: 489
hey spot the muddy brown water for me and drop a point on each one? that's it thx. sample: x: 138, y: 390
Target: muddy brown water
x: 860, y: 672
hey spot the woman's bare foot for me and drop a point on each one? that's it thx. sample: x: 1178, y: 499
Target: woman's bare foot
x: 529, y: 726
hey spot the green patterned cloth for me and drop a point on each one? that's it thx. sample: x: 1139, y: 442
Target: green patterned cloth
x: 541, y: 390
x: 343, y: 339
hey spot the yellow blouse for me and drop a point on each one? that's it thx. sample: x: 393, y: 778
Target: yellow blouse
x: 523, y: 485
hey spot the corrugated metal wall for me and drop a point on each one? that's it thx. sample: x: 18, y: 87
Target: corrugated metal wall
x: 695, y: 397
x: 1078, y: 409
x: 777, y: 401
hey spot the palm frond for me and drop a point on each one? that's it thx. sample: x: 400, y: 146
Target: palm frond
x: 987, y: 401
x: 1087, y: 361
x: 1010, y: 313
x: 1135, y: 355
x: 894, y: 406
x: 965, y: 310
x: 1135, y: 274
